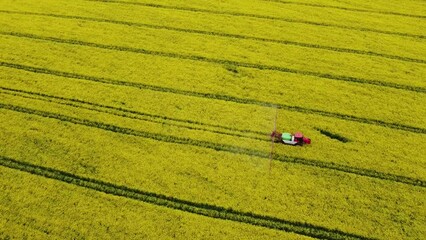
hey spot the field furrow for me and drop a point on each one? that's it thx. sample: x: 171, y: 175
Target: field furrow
x: 171, y: 202
x: 215, y: 97
x: 259, y: 16
x: 227, y: 177
x: 355, y: 10
x: 145, y: 119
x: 219, y: 147
x: 408, y: 8
x: 226, y: 35
x: 311, y: 35
x: 122, y: 112
x: 48, y: 217
x: 380, y: 83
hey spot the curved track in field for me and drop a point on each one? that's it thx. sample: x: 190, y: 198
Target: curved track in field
x: 213, y: 96
x: 132, y: 114
x: 218, y: 147
x: 221, y: 61
x: 347, y: 9
x: 206, y: 209
x: 225, y: 35
x: 258, y: 16
x: 203, y: 209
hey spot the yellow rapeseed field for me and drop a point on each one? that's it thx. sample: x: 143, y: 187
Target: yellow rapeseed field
x: 141, y: 119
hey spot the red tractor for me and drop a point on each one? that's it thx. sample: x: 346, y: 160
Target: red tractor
x: 296, y: 139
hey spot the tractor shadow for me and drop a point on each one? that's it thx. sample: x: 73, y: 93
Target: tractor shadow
x: 335, y: 136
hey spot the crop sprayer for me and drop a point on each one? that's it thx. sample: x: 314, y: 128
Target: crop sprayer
x: 296, y: 139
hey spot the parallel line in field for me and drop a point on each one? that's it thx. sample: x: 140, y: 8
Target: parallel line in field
x: 204, y: 209
x: 125, y: 113
x: 213, y: 96
x: 347, y: 8
x: 219, y: 61
x: 225, y: 35
x: 258, y: 16
x: 166, y: 118
x: 220, y: 147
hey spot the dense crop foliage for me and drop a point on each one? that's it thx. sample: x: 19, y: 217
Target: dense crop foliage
x: 143, y: 116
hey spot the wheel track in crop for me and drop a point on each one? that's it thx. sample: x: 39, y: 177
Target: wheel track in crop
x: 258, y: 16
x: 136, y: 114
x: 198, y: 58
x: 204, y: 209
x: 213, y: 96
x: 347, y: 8
x: 220, y: 147
x: 225, y: 35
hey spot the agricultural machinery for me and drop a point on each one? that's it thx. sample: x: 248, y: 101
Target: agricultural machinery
x: 296, y: 139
